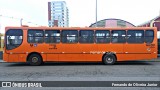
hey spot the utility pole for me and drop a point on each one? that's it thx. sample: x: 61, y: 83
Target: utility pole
x: 96, y: 14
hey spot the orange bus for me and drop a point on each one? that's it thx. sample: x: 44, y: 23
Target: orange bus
x: 74, y: 44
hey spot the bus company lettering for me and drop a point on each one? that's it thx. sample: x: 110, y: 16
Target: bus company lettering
x: 151, y: 45
x: 52, y: 46
x: 101, y: 52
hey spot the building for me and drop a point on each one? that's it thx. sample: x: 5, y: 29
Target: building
x: 112, y: 23
x: 58, y: 14
x: 152, y: 23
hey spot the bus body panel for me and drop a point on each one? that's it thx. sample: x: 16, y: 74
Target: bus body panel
x: 5, y: 57
x: 77, y: 52
x: 22, y: 57
x: 13, y: 57
x: 52, y: 57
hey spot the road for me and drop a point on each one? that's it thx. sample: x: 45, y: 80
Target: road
x: 122, y: 71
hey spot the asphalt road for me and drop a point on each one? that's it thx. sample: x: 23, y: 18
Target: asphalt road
x: 122, y: 71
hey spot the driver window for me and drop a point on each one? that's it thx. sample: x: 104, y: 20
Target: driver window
x: 13, y: 38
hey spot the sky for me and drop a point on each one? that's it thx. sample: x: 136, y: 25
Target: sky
x: 81, y: 12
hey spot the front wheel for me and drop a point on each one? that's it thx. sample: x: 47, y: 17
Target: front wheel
x: 35, y: 60
x: 109, y: 59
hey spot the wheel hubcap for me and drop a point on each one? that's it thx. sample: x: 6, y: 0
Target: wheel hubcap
x: 34, y: 59
x: 109, y: 59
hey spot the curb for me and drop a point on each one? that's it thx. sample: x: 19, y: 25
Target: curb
x: 1, y: 61
x: 153, y: 60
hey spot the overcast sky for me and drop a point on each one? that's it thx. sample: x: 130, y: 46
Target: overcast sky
x: 81, y: 12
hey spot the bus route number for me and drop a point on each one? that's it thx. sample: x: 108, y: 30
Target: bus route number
x: 151, y: 45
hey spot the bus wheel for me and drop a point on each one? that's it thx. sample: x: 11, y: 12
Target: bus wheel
x: 35, y: 59
x: 109, y: 59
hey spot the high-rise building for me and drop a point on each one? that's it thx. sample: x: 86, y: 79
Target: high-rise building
x: 58, y: 14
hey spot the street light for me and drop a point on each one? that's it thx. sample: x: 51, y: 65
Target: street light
x: 21, y: 21
x: 13, y: 18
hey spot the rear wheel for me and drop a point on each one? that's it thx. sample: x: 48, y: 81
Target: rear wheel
x: 109, y: 59
x: 35, y: 59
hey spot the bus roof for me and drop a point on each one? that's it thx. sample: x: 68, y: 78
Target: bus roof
x: 80, y: 28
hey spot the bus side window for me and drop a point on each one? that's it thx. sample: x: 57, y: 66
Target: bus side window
x: 35, y: 36
x: 149, y: 36
x: 118, y: 36
x: 86, y: 36
x: 102, y: 36
x: 52, y: 36
x: 70, y: 36
x: 135, y: 36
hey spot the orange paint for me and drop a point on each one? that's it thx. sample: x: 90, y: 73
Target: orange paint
x: 81, y: 52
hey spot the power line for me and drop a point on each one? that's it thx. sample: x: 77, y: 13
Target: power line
x: 20, y: 19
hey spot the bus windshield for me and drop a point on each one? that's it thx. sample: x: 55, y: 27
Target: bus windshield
x: 13, y: 38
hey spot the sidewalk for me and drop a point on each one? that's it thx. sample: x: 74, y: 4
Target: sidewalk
x: 1, y: 61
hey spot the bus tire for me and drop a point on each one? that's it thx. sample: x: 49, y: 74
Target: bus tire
x: 109, y: 59
x: 35, y: 60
